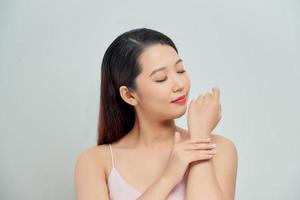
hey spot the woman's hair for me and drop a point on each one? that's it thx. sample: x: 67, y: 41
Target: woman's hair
x: 120, y: 66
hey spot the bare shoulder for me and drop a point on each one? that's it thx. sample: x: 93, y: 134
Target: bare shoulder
x: 216, y: 138
x: 224, y: 145
x: 95, y: 154
x: 90, y: 178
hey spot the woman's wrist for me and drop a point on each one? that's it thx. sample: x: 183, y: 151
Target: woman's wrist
x: 199, y: 134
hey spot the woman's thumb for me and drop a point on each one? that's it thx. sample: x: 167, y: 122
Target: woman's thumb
x: 177, y: 137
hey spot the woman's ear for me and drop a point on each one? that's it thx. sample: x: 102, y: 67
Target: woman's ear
x: 128, y: 95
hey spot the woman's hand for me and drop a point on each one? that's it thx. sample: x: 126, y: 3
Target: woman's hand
x: 185, y: 152
x: 204, y: 113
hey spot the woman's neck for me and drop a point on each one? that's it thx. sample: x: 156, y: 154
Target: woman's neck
x: 153, y: 135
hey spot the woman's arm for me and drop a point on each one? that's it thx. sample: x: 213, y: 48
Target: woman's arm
x: 214, y: 179
x: 159, y: 190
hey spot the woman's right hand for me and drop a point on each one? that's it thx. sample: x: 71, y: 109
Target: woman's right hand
x: 185, y: 152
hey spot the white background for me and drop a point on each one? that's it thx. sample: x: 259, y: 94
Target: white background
x: 50, y: 57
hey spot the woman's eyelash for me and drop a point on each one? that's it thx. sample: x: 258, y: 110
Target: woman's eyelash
x: 161, y: 80
x: 181, y: 72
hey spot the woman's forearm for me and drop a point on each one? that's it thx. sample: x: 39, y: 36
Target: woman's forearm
x: 202, y: 182
x: 159, y: 190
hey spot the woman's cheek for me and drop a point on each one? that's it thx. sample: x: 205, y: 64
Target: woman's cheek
x: 188, y: 83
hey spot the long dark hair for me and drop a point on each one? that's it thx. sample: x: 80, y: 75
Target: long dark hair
x: 120, y: 66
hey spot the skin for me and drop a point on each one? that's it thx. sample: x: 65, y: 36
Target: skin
x: 147, y: 147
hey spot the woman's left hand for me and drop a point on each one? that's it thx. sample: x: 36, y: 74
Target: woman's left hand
x: 204, y: 113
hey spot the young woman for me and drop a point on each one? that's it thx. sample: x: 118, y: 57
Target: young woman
x: 141, y: 153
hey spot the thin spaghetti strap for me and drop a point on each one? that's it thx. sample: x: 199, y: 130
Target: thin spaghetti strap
x: 111, y: 155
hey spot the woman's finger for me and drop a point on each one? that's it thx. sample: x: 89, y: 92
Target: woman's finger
x: 199, y: 146
x: 201, y: 140
x: 197, y: 157
x: 216, y: 94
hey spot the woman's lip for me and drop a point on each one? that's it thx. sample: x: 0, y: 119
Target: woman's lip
x: 179, y: 98
x: 180, y: 101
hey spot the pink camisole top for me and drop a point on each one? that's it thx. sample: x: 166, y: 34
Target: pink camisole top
x: 119, y: 189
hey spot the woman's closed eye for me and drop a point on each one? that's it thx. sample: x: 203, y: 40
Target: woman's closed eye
x: 180, y: 72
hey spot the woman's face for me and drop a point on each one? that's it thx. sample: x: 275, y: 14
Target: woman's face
x: 162, y: 80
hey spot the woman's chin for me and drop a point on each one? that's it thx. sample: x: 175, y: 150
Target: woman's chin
x: 179, y: 112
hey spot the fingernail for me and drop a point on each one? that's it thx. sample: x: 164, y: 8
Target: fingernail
x: 214, y: 145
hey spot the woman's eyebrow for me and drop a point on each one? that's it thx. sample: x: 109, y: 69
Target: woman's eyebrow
x: 164, y: 67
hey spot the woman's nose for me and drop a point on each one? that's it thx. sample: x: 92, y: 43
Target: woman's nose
x: 178, y: 84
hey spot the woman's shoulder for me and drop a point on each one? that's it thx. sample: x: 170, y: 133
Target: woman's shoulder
x: 221, y: 141
x: 97, y: 154
x: 95, y: 158
x: 226, y: 150
x: 226, y: 157
x: 93, y: 150
x: 90, y: 174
